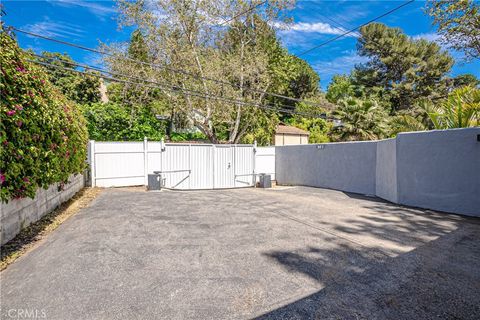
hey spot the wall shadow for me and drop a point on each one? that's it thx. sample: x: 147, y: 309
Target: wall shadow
x: 439, y: 278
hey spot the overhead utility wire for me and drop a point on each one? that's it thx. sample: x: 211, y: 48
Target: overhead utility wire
x: 163, y: 67
x: 176, y: 89
x: 285, y: 107
x: 353, y: 30
x: 242, y: 13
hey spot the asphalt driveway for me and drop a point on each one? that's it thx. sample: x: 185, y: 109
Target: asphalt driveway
x: 287, y: 253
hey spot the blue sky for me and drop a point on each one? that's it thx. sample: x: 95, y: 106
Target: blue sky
x: 89, y: 22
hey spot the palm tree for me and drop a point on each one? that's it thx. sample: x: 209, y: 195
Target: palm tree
x: 361, y: 119
x: 460, y: 110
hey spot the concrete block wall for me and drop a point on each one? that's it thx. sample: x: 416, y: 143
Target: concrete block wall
x: 437, y: 169
x: 19, y: 213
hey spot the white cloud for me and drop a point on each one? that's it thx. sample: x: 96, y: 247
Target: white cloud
x: 427, y: 36
x: 318, y: 27
x: 341, y: 65
x: 56, y: 29
x: 300, y: 33
x: 96, y: 8
x: 308, y: 27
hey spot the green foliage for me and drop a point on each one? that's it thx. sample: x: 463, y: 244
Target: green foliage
x: 115, y: 122
x: 291, y: 76
x: 460, y: 110
x: 465, y: 80
x: 137, y: 49
x: 405, y: 68
x: 415, y: 119
x: 42, y: 135
x: 188, y: 136
x: 341, y: 87
x: 80, y: 88
x: 458, y: 23
x: 361, y: 119
x: 318, y: 128
x: 261, y: 129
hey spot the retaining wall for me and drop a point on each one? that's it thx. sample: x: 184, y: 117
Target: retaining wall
x: 19, y: 213
x: 437, y: 170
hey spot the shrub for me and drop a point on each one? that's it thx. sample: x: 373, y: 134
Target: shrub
x: 116, y: 122
x: 42, y: 135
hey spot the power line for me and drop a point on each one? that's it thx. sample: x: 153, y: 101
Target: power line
x: 285, y: 107
x: 177, y: 89
x: 358, y: 27
x: 163, y: 67
x: 242, y: 13
x: 339, y: 26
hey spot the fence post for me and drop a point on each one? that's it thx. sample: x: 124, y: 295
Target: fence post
x: 254, y: 163
x: 213, y: 166
x: 145, y: 160
x: 91, y: 161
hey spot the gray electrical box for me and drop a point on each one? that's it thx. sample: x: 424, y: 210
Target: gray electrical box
x: 154, y: 182
x: 265, y: 181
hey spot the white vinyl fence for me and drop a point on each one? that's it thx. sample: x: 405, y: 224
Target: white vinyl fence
x: 182, y: 166
x: 265, y: 161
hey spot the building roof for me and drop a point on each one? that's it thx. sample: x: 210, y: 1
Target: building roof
x: 282, y: 129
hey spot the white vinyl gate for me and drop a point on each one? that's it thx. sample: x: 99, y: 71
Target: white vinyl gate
x: 182, y: 166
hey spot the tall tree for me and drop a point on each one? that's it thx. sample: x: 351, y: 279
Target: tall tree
x: 458, y: 23
x: 194, y: 37
x: 465, y: 80
x: 361, y: 120
x: 341, y: 87
x: 407, y: 69
x: 80, y: 88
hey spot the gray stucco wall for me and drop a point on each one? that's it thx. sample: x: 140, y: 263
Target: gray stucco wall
x: 19, y: 213
x: 437, y: 170
x: 440, y: 170
x: 343, y: 166
x: 386, y: 174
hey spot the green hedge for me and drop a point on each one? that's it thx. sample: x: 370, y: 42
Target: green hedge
x: 116, y: 122
x: 43, y: 136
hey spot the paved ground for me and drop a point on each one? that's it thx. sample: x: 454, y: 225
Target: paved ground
x: 292, y: 253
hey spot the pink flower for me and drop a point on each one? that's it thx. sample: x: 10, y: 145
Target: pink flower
x: 25, y: 179
x: 11, y: 112
x: 21, y: 69
x: 2, y: 178
x: 19, y: 123
x: 19, y: 107
x: 42, y: 81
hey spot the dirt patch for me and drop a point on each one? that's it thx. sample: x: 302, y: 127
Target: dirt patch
x: 30, y: 236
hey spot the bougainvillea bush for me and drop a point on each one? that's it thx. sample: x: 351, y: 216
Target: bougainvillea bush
x: 43, y: 136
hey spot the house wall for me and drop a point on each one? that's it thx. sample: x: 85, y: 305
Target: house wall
x: 437, y: 170
x: 282, y: 139
x: 19, y: 213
